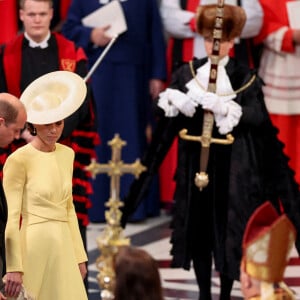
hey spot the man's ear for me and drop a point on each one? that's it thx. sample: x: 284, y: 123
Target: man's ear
x: 2, y: 121
x: 21, y: 15
x: 52, y: 13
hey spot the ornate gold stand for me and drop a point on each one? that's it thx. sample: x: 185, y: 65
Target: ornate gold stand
x: 112, y: 236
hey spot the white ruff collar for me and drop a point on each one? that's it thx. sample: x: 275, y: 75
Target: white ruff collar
x: 43, y: 44
x: 223, y: 85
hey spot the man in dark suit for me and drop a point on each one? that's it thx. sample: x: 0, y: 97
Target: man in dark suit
x: 12, y: 121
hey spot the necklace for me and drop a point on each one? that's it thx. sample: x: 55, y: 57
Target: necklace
x: 221, y: 95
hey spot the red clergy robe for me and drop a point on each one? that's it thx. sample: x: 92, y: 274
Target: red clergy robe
x: 276, y: 17
x: 68, y: 57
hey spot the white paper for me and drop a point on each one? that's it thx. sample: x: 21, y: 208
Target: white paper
x: 293, y: 9
x: 109, y: 14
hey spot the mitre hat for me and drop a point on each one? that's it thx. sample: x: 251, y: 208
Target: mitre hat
x: 233, y: 20
x: 53, y: 97
x: 267, y: 242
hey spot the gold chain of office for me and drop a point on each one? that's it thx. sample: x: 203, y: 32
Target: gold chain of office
x: 244, y: 87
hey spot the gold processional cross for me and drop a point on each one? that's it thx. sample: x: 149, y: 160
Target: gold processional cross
x: 111, y: 237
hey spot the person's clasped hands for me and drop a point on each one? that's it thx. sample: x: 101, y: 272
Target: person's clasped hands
x: 227, y: 112
x: 214, y: 103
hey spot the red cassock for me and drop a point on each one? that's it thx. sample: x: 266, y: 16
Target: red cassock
x: 8, y: 17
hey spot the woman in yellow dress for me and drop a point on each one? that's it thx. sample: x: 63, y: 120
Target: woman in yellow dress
x: 44, y: 248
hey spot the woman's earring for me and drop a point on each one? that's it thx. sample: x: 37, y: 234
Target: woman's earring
x: 34, y: 131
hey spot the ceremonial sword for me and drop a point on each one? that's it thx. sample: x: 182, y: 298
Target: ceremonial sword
x: 201, y: 178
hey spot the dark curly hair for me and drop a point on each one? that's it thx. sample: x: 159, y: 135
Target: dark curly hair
x: 137, y: 275
x: 31, y: 129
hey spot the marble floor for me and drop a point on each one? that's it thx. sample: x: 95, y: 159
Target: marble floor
x: 153, y: 235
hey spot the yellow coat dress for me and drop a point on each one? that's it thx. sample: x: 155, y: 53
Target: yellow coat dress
x: 47, y: 247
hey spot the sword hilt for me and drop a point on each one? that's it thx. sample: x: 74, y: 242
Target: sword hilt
x: 201, y: 178
x: 206, y: 141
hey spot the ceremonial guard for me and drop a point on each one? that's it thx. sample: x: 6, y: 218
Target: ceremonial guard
x: 185, y: 43
x: 217, y: 106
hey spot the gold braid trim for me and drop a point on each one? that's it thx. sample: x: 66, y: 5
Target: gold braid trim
x: 241, y: 89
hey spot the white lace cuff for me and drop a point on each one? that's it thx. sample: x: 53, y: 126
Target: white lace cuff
x: 230, y: 120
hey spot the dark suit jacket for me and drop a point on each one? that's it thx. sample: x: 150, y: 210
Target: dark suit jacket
x: 3, y: 220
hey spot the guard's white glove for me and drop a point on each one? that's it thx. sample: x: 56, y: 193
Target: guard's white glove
x: 174, y: 101
x: 195, y: 93
x: 226, y: 123
x: 214, y: 103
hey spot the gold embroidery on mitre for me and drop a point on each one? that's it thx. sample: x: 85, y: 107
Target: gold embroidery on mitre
x: 279, y: 294
x: 68, y: 64
x: 267, y: 256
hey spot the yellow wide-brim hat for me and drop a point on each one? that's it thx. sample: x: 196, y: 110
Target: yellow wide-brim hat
x: 53, y: 97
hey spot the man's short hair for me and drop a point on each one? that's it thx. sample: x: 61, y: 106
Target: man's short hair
x: 22, y: 2
x: 8, y: 111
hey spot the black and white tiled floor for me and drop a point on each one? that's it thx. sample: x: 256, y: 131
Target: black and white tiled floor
x: 153, y: 236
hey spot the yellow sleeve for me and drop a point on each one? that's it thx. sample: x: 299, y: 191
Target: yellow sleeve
x: 13, y: 184
x: 80, y: 252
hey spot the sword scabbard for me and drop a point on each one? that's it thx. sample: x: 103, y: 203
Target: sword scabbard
x: 201, y: 178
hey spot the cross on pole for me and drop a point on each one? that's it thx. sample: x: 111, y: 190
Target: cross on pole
x: 111, y: 238
x: 115, y: 168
